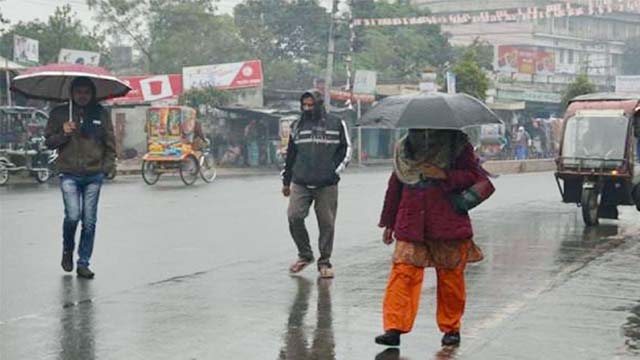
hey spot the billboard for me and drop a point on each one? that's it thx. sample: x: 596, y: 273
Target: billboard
x: 628, y: 84
x: 365, y: 82
x: 25, y: 50
x: 525, y: 60
x: 550, y: 10
x: 150, y: 88
x: 70, y: 56
x: 238, y: 75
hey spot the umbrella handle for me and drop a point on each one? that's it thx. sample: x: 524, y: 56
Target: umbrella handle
x: 70, y: 110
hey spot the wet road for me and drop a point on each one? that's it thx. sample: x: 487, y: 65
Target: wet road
x: 200, y: 273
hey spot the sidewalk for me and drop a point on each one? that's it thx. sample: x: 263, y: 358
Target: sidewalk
x: 133, y: 167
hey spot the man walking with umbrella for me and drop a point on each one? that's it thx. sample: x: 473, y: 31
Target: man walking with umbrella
x: 82, y: 133
x: 86, y: 152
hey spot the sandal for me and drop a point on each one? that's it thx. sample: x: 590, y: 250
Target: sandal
x: 299, y: 265
x: 326, y: 272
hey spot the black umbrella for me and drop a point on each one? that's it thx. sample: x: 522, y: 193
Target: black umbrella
x: 429, y: 111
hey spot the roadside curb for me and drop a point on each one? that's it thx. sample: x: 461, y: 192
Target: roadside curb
x: 501, y: 167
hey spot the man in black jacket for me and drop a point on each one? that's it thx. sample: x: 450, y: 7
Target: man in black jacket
x: 319, y: 149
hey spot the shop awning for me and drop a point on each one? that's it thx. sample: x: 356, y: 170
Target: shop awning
x: 257, y: 113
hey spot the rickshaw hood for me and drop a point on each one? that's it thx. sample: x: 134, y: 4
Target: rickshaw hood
x: 629, y: 107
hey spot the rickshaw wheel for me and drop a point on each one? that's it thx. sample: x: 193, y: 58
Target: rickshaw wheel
x: 590, y: 202
x: 4, y: 174
x: 149, y: 174
x: 42, y: 176
x: 189, y: 169
x: 208, y: 171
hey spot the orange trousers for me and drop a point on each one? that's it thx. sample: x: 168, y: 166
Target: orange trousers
x: 402, y: 297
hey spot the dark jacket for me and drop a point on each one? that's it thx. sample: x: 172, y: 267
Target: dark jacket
x: 90, y: 149
x: 420, y: 213
x: 319, y: 149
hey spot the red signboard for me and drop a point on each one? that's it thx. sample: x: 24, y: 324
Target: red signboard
x: 149, y: 88
x: 525, y: 60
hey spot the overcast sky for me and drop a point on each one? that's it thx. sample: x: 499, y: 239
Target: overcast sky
x: 26, y: 10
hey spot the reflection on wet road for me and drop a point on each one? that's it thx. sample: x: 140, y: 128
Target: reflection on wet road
x: 211, y: 282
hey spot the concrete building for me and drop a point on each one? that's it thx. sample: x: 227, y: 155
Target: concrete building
x: 581, y: 44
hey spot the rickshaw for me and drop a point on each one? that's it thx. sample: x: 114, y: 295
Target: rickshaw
x: 22, y: 146
x: 173, y: 146
x: 597, y: 162
x: 492, y: 142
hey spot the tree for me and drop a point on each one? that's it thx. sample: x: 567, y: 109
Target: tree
x: 398, y: 53
x: 125, y: 18
x: 290, y: 37
x: 470, y: 78
x: 283, y: 30
x: 173, y: 34
x: 580, y: 86
x: 3, y: 20
x: 484, y: 53
x: 290, y: 75
x: 631, y: 57
x: 189, y: 33
x: 205, y: 99
x: 62, y: 30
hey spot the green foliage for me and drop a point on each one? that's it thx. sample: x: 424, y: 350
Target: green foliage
x: 484, y: 53
x: 290, y: 75
x: 581, y: 86
x: 289, y: 36
x: 188, y: 33
x: 3, y: 20
x: 470, y: 78
x: 283, y: 30
x: 205, y: 99
x: 173, y: 34
x: 398, y: 53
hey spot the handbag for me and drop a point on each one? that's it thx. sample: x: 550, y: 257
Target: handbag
x: 473, y: 196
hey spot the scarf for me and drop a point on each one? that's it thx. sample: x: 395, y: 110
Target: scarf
x: 441, y: 150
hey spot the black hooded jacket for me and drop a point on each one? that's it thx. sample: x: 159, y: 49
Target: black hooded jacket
x: 319, y: 148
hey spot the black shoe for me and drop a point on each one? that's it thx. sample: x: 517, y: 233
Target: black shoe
x: 84, y: 272
x: 389, y: 338
x: 451, y: 339
x: 389, y: 354
x: 67, y: 261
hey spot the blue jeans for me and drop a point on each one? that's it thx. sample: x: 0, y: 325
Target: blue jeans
x: 522, y: 152
x: 80, y: 195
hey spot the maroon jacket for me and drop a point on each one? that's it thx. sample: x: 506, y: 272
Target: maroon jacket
x: 416, y: 214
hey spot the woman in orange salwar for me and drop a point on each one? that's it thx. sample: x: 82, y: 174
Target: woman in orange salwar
x: 436, y: 180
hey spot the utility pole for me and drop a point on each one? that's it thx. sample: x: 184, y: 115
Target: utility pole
x: 350, y: 57
x: 350, y: 77
x: 330, y: 54
x: 7, y: 76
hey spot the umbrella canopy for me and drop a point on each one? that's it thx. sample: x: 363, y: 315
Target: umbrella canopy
x: 53, y: 82
x: 429, y: 111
